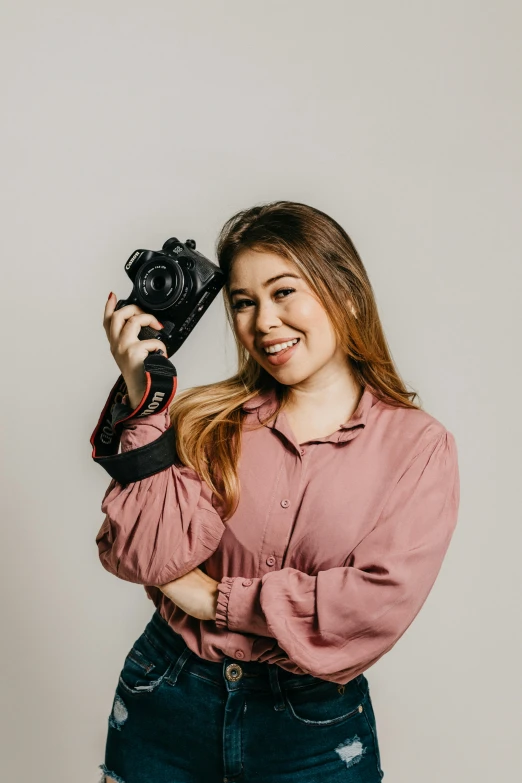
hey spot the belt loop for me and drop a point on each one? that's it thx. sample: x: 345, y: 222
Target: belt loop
x: 273, y: 673
x: 180, y: 663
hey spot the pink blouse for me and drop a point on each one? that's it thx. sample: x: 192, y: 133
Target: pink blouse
x: 331, y: 553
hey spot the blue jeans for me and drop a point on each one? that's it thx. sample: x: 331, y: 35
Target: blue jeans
x: 177, y: 718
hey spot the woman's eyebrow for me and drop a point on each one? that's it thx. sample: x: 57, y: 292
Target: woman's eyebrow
x: 266, y: 283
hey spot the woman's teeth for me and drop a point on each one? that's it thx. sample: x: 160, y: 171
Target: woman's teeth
x: 280, y: 346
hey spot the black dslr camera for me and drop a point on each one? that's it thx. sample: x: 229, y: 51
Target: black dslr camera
x: 176, y: 284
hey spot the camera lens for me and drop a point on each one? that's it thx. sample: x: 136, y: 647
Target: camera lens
x: 159, y: 283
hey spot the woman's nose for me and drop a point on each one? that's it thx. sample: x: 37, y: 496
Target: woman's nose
x: 266, y: 318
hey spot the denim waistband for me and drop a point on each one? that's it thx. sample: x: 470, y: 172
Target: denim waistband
x: 255, y: 674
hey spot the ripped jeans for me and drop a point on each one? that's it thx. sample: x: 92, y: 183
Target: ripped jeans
x: 177, y: 718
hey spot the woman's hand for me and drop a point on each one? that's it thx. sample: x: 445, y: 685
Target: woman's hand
x: 195, y: 593
x: 122, y: 328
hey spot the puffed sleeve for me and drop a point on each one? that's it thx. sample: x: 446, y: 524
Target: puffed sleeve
x: 344, y: 619
x: 161, y: 527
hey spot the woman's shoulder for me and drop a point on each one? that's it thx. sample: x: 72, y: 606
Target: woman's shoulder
x: 410, y: 428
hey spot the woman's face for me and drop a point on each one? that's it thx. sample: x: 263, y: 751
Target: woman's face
x: 279, y: 311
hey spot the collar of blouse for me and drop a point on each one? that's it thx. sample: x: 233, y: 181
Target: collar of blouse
x: 264, y: 403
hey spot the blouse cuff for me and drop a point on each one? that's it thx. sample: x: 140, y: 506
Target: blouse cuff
x: 223, y: 588
x: 239, y: 605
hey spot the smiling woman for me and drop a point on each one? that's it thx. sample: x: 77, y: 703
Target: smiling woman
x: 292, y: 321
x: 297, y: 537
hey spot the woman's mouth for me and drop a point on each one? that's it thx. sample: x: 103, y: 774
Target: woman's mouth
x: 283, y: 355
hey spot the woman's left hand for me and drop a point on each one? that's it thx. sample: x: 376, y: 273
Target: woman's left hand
x: 195, y: 593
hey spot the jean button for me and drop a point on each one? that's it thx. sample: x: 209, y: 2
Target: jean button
x: 247, y: 582
x: 285, y: 503
x: 240, y: 654
x: 233, y: 672
x: 270, y: 560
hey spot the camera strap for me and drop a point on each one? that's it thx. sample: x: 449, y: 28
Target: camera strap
x: 134, y: 465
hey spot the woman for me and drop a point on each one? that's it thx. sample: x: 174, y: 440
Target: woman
x: 298, y: 535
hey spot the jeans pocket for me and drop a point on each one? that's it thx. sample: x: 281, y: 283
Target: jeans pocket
x: 324, y: 703
x: 146, y: 666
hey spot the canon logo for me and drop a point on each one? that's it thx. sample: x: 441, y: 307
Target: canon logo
x: 153, y: 404
x: 107, y: 433
x: 132, y: 259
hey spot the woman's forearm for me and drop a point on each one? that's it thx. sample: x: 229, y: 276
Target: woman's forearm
x: 195, y: 593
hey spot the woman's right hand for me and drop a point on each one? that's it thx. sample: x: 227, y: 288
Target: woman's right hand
x: 122, y: 328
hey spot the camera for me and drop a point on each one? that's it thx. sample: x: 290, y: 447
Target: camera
x: 176, y: 284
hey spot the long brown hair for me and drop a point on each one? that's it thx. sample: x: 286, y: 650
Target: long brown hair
x: 207, y: 420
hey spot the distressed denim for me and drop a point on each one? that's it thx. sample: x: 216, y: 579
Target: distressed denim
x: 177, y: 718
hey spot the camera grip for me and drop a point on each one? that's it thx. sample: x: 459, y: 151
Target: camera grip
x: 148, y: 333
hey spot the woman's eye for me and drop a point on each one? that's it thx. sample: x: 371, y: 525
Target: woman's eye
x: 238, y: 304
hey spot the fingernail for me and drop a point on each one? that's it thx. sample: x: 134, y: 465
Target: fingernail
x: 109, y: 296
x: 161, y: 325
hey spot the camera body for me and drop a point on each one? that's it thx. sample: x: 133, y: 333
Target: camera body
x: 176, y: 284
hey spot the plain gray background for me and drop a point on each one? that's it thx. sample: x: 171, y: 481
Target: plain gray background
x: 125, y: 123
